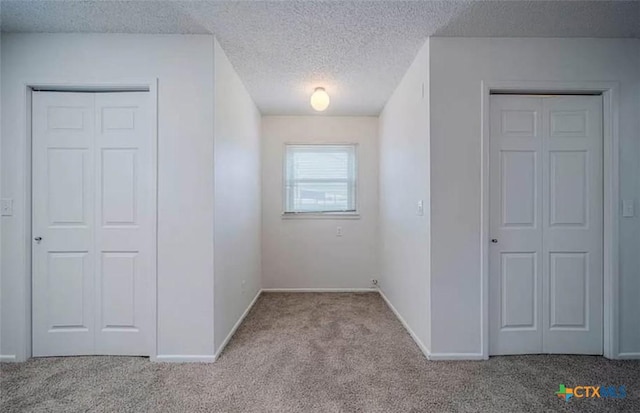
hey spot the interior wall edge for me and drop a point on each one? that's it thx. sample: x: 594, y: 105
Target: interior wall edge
x: 423, y: 348
x: 237, y: 198
x: 237, y: 325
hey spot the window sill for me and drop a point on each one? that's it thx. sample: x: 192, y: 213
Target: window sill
x: 324, y: 215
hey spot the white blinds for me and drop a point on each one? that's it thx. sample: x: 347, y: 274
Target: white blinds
x: 320, y: 178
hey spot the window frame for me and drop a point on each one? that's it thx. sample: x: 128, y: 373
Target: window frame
x: 315, y: 214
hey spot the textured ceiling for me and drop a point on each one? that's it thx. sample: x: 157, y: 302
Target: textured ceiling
x: 357, y: 50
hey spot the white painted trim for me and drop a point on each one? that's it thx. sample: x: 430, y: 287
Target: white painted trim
x: 609, y: 91
x: 318, y: 290
x: 181, y: 358
x: 235, y: 327
x: 326, y: 215
x: 125, y: 85
x: 629, y: 356
x: 413, y: 335
x: 456, y: 356
x: 153, y: 297
x: 8, y: 358
x: 611, y: 290
x: 149, y: 85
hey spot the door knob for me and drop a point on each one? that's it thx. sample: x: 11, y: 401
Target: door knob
x: 494, y: 240
x: 38, y: 239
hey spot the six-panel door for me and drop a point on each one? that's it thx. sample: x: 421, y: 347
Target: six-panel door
x: 93, y: 223
x: 546, y: 224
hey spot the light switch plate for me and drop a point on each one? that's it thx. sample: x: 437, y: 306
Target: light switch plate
x: 6, y: 207
x: 420, y: 210
x: 627, y: 208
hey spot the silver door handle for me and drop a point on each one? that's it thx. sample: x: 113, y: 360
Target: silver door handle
x: 38, y: 239
x: 494, y: 240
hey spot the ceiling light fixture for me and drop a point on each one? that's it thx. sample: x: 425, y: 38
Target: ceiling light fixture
x: 320, y: 99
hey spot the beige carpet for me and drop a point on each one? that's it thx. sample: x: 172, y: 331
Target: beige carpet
x: 316, y: 352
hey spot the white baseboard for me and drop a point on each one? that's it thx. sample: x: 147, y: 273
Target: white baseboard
x: 235, y: 327
x: 413, y: 335
x: 456, y: 356
x: 318, y: 290
x: 6, y: 358
x: 180, y: 358
x: 629, y: 356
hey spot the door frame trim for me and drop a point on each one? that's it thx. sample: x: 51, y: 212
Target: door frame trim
x: 609, y: 92
x: 149, y: 85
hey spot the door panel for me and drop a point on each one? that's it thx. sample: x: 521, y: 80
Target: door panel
x: 66, y: 285
x: 63, y: 204
x: 66, y: 170
x: 568, y: 188
x: 519, y: 291
x: 124, y: 223
x: 573, y: 225
x: 118, y: 290
x: 119, y: 187
x: 518, y: 175
x: 94, y: 208
x: 546, y: 197
x: 568, y: 290
x: 515, y: 284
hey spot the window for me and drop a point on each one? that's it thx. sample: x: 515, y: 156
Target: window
x: 320, y: 179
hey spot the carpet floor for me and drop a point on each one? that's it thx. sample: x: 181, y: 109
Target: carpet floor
x: 315, y: 352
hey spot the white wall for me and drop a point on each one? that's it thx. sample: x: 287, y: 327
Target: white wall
x: 457, y: 68
x: 404, y: 180
x: 306, y: 253
x: 183, y: 66
x: 237, y: 198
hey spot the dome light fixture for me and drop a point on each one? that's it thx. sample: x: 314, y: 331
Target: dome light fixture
x: 320, y: 99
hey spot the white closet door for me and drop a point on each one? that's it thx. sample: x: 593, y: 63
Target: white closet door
x: 546, y: 216
x: 573, y: 225
x: 63, y: 213
x: 515, y: 262
x: 94, y: 208
x: 124, y: 223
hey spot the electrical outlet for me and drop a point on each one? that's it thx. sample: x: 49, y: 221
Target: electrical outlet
x: 338, y: 231
x: 6, y: 207
x: 374, y: 283
x: 420, y: 210
x: 243, y: 286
